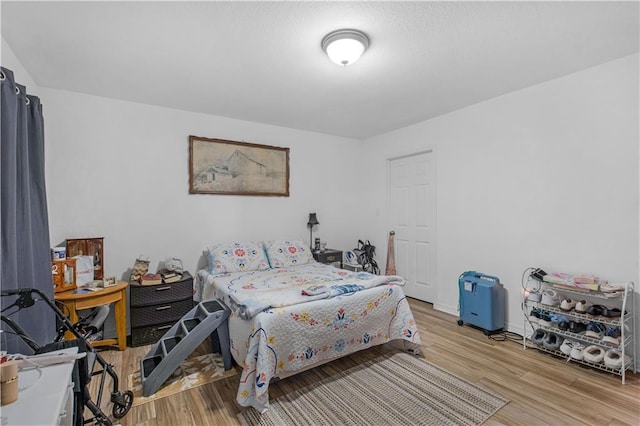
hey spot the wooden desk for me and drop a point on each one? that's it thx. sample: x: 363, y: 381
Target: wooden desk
x: 115, y: 294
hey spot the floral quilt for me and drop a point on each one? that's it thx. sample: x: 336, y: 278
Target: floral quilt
x: 282, y: 340
x: 277, y: 288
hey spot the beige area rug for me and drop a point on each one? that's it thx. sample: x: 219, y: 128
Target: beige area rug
x: 197, y: 370
x: 393, y: 389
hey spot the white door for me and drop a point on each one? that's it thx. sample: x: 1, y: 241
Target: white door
x: 412, y: 212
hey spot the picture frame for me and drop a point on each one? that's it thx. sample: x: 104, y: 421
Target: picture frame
x: 94, y: 247
x: 63, y: 272
x: 109, y: 282
x: 219, y: 166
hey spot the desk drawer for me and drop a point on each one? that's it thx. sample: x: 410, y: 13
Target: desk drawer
x: 145, y: 295
x: 156, y: 314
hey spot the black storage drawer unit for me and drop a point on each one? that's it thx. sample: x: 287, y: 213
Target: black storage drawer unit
x: 155, y: 308
x: 164, y: 312
x: 145, y: 295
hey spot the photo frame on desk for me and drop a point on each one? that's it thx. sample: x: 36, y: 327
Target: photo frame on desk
x: 109, y: 282
x: 218, y: 166
x: 63, y: 272
x: 89, y: 247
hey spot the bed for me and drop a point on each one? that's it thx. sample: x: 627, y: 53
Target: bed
x: 290, y: 313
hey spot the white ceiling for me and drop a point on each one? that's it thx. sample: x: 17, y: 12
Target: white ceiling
x: 262, y: 61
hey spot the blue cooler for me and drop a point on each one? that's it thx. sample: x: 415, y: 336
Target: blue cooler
x: 481, y: 301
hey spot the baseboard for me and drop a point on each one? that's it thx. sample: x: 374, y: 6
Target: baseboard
x: 453, y: 310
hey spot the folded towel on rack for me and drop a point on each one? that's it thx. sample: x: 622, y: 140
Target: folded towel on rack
x: 557, y: 278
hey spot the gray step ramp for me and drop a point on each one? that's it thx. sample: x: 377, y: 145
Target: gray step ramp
x: 207, y: 318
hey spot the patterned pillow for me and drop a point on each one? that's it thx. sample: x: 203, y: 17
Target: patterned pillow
x: 283, y: 254
x: 237, y: 257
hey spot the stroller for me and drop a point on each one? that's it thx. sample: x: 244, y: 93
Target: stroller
x: 84, y: 368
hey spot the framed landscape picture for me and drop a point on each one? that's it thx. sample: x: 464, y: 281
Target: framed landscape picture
x: 218, y: 166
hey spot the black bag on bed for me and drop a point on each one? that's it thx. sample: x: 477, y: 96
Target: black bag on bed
x: 365, y: 253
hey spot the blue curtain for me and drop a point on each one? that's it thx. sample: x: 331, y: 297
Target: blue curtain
x: 24, y: 224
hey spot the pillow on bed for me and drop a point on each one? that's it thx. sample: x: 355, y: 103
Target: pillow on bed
x: 237, y: 257
x: 283, y: 254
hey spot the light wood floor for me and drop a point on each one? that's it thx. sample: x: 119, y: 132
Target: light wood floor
x: 542, y: 389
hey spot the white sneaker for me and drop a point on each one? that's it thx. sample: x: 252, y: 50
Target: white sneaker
x: 613, y: 359
x: 611, y: 287
x: 550, y: 298
x: 566, y: 347
x: 614, y: 294
x: 577, y: 352
x: 582, y: 306
x: 594, y: 354
x: 567, y: 304
x: 534, y: 296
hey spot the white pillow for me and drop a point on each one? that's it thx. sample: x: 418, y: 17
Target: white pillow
x: 283, y: 253
x: 237, y: 257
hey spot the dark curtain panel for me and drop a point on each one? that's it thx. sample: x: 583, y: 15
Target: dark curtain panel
x: 24, y: 225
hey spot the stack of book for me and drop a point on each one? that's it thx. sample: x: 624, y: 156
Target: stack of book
x: 150, y: 279
x: 171, y: 277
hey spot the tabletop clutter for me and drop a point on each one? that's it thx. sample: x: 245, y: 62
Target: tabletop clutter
x: 169, y: 271
x: 79, y: 264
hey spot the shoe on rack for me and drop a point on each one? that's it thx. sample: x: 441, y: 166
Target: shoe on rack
x: 544, y: 320
x: 612, y: 287
x: 612, y: 312
x: 550, y: 298
x: 614, y: 359
x: 577, y: 352
x: 594, y: 354
x: 595, y: 310
x: 557, y: 319
x: 595, y: 330
x: 538, y: 336
x: 566, y: 347
x: 582, y: 306
x: 577, y: 327
x: 535, y: 312
x: 534, y: 296
x: 563, y: 325
x: 567, y: 305
x: 552, y: 342
x: 612, y: 335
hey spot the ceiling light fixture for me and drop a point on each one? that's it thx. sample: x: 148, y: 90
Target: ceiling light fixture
x: 344, y: 47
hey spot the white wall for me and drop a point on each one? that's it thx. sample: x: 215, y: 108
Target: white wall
x: 21, y: 75
x: 120, y: 170
x: 546, y: 176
